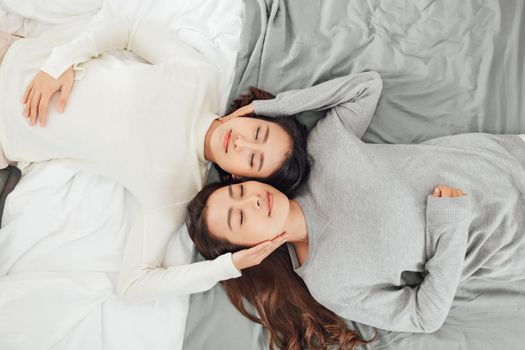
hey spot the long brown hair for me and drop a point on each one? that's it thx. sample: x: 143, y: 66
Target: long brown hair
x: 294, y: 319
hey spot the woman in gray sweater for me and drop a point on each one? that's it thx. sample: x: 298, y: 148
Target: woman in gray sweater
x: 376, y: 236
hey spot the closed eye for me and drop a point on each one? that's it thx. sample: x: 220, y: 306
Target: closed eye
x: 251, y: 160
x: 242, y: 217
x: 257, y: 133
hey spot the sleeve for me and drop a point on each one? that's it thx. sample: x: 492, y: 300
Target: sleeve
x: 142, y: 275
x: 146, y: 39
x: 353, y: 99
x: 422, y: 308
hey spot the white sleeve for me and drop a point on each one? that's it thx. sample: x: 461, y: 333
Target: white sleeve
x: 143, y: 276
x: 105, y: 32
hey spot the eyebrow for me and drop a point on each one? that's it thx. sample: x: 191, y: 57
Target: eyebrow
x: 262, y: 161
x: 264, y: 140
x: 267, y: 133
x: 230, y: 211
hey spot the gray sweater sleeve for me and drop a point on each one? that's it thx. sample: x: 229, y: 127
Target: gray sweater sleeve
x: 425, y: 307
x: 352, y: 98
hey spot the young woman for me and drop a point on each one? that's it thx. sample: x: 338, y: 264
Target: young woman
x: 376, y: 241
x: 151, y: 127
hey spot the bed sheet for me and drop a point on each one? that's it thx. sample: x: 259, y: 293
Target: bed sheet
x: 61, y: 244
x: 64, y: 230
x: 448, y: 67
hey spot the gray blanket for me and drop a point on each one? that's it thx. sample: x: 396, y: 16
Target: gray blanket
x: 448, y: 67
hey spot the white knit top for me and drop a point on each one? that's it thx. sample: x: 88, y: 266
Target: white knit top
x: 142, y: 124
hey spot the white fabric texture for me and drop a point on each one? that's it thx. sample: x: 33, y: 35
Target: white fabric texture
x: 154, y: 148
x: 64, y: 229
x: 61, y: 243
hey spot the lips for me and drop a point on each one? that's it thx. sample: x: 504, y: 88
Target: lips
x: 226, y: 141
x: 269, y: 202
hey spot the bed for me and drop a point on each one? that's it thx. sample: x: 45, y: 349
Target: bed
x: 64, y: 230
x: 448, y: 67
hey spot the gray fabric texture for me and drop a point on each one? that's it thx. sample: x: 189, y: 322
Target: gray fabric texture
x: 448, y: 67
x: 371, y: 217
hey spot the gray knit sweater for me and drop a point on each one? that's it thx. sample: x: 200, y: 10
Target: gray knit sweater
x: 382, y: 251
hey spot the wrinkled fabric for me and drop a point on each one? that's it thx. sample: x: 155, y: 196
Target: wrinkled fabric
x: 448, y: 66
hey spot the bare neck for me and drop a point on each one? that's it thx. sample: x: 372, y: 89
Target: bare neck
x: 296, y: 225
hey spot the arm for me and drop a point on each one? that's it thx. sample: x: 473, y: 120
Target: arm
x: 146, y: 39
x: 423, y: 308
x: 155, y: 44
x: 142, y: 275
x: 352, y: 98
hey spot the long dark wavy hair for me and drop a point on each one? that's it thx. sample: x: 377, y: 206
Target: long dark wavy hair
x: 293, y: 318
x: 295, y: 169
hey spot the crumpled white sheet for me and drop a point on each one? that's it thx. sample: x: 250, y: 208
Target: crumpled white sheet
x: 60, y: 250
x: 30, y: 18
x: 64, y: 230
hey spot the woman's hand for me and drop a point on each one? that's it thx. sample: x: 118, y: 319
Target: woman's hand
x: 40, y: 91
x: 248, y: 109
x: 255, y: 255
x: 444, y: 191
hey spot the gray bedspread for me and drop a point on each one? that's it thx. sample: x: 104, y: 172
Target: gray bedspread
x: 448, y: 67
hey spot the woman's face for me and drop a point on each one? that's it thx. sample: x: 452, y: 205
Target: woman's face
x: 247, y: 213
x: 249, y: 147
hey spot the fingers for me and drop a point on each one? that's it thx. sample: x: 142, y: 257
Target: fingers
x: 34, y: 107
x: 444, y: 191
x: 64, y: 95
x: 27, y: 107
x: 42, y: 109
x: 228, y: 117
x: 39, y: 92
x: 238, y: 113
x: 283, y: 237
x: 27, y: 92
x: 275, y: 243
x: 263, y: 250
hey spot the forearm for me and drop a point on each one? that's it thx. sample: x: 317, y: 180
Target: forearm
x: 102, y: 34
x: 319, y: 97
x: 142, y: 283
x: 425, y: 307
x: 144, y: 277
x: 108, y: 32
x: 448, y: 221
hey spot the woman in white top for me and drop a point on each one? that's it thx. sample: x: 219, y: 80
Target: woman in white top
x: 151, y: 127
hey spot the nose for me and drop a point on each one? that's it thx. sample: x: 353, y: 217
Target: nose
x: 241, y: 143
x: 254, y: 201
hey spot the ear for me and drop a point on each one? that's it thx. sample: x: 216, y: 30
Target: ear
x: 236, y: 177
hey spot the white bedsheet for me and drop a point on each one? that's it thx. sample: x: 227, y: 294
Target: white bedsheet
x: 64, y: 230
